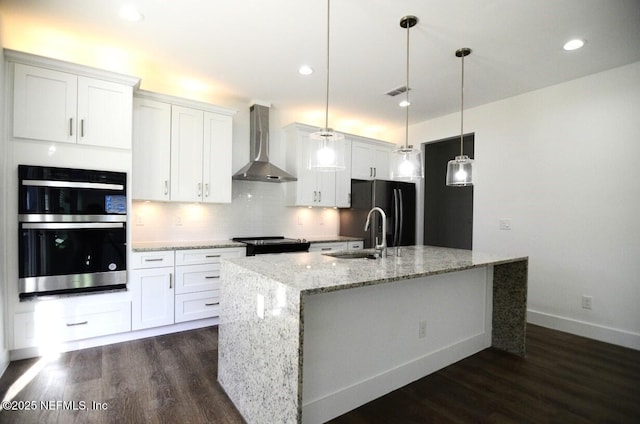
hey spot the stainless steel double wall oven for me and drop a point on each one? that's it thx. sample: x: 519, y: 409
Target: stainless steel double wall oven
x: 72, y: 230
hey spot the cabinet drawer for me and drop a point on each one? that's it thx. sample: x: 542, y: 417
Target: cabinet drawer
x: 141, y: 260
x: 47, y: 327
x: 206, y: 256
x: 192, y: 306
x: 355, y: 245
x: 327, y: 247
x: 197, y: 278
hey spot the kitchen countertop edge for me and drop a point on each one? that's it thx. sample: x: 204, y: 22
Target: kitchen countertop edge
x: 185, y: 245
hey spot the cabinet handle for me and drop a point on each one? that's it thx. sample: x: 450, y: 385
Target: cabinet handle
x: 212, y: 256
x: 375, y: 172
x: 199, y: 189
x: 153, y: 260
x: 209, y: 277
x: 326, y: 248
x: 70, y: 126
x: 319, y: 196
x: 315, y: 196
x: 73, y: 324
x: 206, y: 190
x: 166, y: 187
x: 212, y: 304
x: 82, y: 128
x: 170, y: 280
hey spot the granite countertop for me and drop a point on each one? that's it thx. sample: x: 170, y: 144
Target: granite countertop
x: 332, y: 239
x: 152, y: 246
x: 315, y: 273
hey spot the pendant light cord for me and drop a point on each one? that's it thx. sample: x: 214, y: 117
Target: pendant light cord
x: 406, y: 134
x: 326, y: 110
x: 462, y: 108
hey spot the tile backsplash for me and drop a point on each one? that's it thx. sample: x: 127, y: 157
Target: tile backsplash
x: 257, y: 209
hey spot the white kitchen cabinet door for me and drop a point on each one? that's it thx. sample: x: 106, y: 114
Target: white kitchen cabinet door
x: 152, y: 295
x: 151, y: 150
x: 370, y: 160
x: 104, y: 113
x: 216, y: 168
x: 44, y: 104
x: 343, y: 179
x: 187, y: 126
x: 313, y: 188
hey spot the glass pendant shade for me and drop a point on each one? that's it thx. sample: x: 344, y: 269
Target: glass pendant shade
x: 326, y: 150
x: 460, y: 171
x: 406, y: 164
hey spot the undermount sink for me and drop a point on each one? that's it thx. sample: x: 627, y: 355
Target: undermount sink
x: 353, y: 254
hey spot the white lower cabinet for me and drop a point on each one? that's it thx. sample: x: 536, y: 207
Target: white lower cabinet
x: 198, y: 305
x: 170, y: 287
x: 152, y: 293
x: 198, y: 282
x: 152, y: 289
x: 65, y: 320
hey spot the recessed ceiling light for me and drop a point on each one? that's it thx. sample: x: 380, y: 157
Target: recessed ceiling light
x: 574, y: 44
x: 130, y: 13
x: 305, y: 70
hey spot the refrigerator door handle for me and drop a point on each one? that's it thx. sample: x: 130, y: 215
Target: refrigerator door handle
x: 401, y: 225
x: 396, y: 216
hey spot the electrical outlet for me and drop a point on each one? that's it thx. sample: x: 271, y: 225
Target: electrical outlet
x: 422, y: 329
x: 587, y: 301
x: 139, y: 220
x: 178, y: 220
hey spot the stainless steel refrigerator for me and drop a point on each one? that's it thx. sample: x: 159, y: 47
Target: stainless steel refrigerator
x: 396, y: 199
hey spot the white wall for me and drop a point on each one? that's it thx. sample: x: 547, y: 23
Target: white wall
x: 4, y: 352
x: 559, y: 162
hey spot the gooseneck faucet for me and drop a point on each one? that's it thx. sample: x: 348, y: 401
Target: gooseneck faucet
x: 382, y: 248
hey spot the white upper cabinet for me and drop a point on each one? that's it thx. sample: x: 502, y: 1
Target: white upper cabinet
x: 343, y: 179
x: 151, y: 150
x: 187, y: 129
x: 104, y: 113
x: 370, y: 159
x: 313, y: 188
x: 60, y: 106
x: 181, y: 153
x: 44, y: 104
x: 216, y: 156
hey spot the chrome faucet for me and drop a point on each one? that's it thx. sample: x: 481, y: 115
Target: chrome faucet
x: 382, y: 248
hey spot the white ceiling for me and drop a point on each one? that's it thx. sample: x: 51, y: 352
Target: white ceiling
x: 251, y: 49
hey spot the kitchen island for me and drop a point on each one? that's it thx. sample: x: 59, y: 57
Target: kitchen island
x: 306, y: 337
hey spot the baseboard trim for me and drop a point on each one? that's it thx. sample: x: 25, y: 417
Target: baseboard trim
x: 5, y: 360
x: 585, y: 329
x: 337, y: 403
x: 33, y: 352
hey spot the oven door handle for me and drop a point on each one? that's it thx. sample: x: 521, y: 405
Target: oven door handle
x: 71, y: 225
x: 72, y: 184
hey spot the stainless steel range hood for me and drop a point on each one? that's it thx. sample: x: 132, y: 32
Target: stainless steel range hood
x: 259, y: 168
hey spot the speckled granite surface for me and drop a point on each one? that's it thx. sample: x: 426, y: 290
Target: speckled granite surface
x: 181, y: 245
x: 262, y: 315
x: 332, y: 239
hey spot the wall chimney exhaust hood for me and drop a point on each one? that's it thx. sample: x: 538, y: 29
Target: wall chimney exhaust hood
x: 259, y: 168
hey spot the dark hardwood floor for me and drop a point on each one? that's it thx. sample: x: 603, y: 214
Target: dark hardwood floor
x: 172, y: 379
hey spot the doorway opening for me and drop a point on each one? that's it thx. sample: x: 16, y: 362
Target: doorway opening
x: 448, y: 211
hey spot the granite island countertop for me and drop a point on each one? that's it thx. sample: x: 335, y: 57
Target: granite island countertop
x: 265, y: 319
x: 317, y: 273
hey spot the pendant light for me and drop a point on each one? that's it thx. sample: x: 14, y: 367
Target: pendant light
x: 326, y: 150
x: 459, y: 169
x: 406, y: 162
